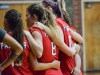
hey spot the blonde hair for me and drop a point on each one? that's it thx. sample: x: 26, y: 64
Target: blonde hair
x: 63, y: 5
x: 44, y: 16
x: 49, y: 21
x: 65, y: 13
x: 66, y: 17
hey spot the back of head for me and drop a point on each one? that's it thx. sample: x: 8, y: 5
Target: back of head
x: 15, y: 24
x: 55, y: 5
x: 49, y: 21
x: 13, y: 17
x: 44, y: 16
x: 37, y: 10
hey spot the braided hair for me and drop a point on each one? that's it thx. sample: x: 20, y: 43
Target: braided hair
x: 16, y: 25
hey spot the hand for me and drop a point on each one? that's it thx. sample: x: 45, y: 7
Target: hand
x: 77, y: 47
x: 26, y: 32
x: 39, y: 25
x: 55, y: 64
x: 75, y: 71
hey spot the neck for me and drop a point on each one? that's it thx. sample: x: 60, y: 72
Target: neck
x: 30, y: 26
x: 10, y: 32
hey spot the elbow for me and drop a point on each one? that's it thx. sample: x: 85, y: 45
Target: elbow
x: 36, y: 69
x: 71, y: 53
x: 81, y: 41
x: 39, y: 53
x: 19, y: 50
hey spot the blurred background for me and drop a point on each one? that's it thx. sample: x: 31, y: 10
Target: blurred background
x: 85, y: 16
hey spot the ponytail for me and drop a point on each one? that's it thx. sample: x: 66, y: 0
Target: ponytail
x: 66, y: 17
x: 65, y: 13
x: 63, y: 5
x: 19, y: 35
x: 16, y: 26
x: 49, y: 21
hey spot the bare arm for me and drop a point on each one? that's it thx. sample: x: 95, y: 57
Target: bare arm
x: 38, y: 38
x: 78, y: 60
x: 59, y: 42
x: 35, y: 47
x: 76, y: 69
x: 36, y: 66
x: 64, y: 48
x: 16, y: 51
x: 77, y: 37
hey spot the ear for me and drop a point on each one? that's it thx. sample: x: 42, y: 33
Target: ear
x: 5, y: 24
x: 35, y: 17
x: 49, y: 8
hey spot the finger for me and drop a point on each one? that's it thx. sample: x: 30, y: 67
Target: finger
x: 76, y: 73
x: 35, y: 23
x: 72, y: 71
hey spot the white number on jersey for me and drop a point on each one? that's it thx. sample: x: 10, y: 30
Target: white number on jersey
x: 53, y: 48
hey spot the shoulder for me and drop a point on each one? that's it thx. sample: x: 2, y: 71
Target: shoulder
x: 2, y: 34
x: 31, y: 30
x: 2, y: 31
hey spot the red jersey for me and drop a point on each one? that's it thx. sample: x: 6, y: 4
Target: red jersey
x: 50, y: 53
x: 72, y: 27
x: 67, y: 62
x: 12, y: 69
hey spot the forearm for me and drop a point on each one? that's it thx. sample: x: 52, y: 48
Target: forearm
x: 11, y: 58
x: 67, y: 50
x: 16, y: 50
x: 49, y: 32
x: 13, y: 44
x: 35, y: 65
x: 77, y: 60
x: 42, y: 66
x: 76, y: 36
x: 35, y: 48
x: 58, y: 41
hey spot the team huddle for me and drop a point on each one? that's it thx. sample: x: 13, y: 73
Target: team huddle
x: 50, y: 46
